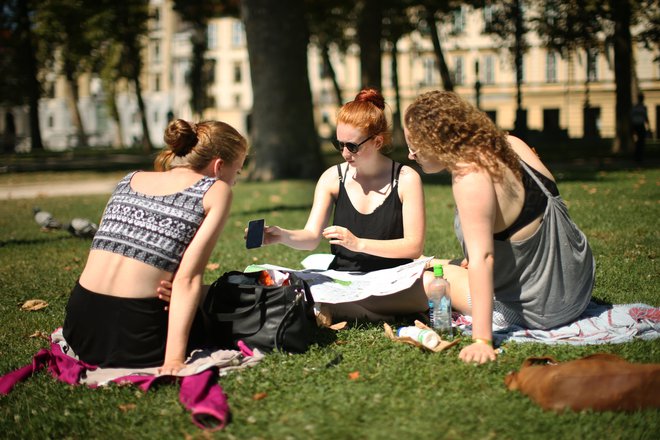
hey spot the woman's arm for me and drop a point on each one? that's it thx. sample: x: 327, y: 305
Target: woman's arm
x: 187, y: 283
x: 309, y: 237
x: 412, y: 244
x: 476, y: 202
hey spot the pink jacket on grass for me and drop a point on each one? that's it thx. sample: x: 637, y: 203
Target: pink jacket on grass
x: 199, y: 392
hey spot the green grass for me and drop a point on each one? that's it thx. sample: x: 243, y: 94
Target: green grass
x: 401, y: 392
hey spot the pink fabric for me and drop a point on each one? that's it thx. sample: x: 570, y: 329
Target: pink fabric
x: 199, y: 393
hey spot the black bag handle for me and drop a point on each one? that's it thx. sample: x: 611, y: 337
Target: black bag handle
x: 279, y: 333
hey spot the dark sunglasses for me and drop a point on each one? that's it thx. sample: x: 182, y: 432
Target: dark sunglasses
x: 350, y: 146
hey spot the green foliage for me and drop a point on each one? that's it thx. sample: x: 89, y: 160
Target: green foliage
x: 399, y: 392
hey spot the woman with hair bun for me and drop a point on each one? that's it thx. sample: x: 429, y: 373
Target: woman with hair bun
x: 378, y: 210
x: 159, y: 225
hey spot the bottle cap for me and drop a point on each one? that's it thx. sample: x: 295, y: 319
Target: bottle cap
x: 437, y: 270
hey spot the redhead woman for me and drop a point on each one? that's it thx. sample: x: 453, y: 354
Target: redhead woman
x: 378, y: 209
x: 159, y: 225
x: 525, y: 259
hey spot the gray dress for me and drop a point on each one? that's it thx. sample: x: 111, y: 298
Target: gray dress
x: 545, y: 280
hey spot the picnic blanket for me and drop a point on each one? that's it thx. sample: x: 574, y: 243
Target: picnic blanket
x: 599, y: 324
x: 199, y: 391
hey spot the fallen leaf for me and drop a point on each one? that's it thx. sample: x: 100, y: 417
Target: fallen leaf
x: 213, y: 266
x: 354, y: 375
x: 259, y: 396
x: 125, y: 407
x: 34, y: 304
x: 67, y: 268
x: 40, y: 334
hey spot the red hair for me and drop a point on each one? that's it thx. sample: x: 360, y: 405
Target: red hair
x: 367, y: 113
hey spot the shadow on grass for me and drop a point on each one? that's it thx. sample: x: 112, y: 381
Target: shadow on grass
x: 33, y: 241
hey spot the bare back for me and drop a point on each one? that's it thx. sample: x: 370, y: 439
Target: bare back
x: 510, y: 193
x: 117, y: 275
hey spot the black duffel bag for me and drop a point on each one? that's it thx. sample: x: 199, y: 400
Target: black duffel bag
x: 264, y: 317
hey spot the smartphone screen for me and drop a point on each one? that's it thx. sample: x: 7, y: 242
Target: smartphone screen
x: 255, y: 234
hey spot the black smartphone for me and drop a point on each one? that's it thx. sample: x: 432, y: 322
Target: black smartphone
x: 255, y: 234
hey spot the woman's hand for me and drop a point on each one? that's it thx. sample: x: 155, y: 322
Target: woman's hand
x: 272, y: 234
x: 164, y: 291
x: 171, y: 368
x: 341, y: 236
x: 477, y: 352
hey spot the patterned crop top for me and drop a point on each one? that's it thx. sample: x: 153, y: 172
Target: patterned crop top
x: 155, y: 230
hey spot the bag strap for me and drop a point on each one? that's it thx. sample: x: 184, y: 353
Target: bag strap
x: 279, y: 333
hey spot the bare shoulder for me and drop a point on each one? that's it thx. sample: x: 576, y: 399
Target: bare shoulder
x: 329, y: 180
x: 409, y: 176
x: 218, y: 195
x: 528, y: 155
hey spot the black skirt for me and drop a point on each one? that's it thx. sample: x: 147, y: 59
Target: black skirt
x: 110, y: 331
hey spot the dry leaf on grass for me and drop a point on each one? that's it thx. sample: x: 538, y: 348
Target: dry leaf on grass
x: 259, y: 396
x: 125, y: 407
x: 212, y: 266
x: 354, y: 375
x: 34, y: 304
x: 40, y: 334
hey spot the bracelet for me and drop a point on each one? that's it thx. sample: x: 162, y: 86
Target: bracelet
x: 482, y: 341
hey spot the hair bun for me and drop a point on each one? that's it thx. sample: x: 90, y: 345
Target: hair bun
x: 181, y: 137
x: 373, y: 96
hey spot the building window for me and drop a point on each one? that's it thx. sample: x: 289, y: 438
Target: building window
x: 51, y: 121
x: 430, y: 71
x: 592, y: 64
x: 212, y: 36
x: 238, y: 73
x: 489, y: 69
x: 551, y: 67
x: 237, y: 100
x: 157, y: 83
x: 458, y: 20
x: 459, y: 71
x: 155, y: 17
x: 156, y: 52
x: 237, y: 34
x: 487, y: 16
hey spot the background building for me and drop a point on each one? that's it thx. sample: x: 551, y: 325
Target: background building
x: 561, y: 97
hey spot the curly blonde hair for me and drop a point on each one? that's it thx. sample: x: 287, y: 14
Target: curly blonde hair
x: 194, y: 146
x: 445, y: 127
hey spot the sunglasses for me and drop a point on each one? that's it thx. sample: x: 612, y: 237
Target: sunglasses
x: 350, y: 146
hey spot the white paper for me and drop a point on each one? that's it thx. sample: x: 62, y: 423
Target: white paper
x: 332, y: 286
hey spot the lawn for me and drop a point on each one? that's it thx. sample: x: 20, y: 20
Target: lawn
x: 401, y: 392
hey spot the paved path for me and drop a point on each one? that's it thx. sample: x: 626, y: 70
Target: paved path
x: 54, y: 189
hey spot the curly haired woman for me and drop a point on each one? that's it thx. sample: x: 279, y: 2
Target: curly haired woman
x: 525, y: 259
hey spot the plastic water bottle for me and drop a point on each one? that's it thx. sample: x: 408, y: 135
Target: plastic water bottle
x: 440, y: 302
x: 428, y: 338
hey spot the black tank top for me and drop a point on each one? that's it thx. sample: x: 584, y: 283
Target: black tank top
x: 384, y: 223
x: 533, y: 205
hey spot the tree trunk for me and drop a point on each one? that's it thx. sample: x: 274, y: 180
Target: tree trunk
x: 284, y: 138
x: 147, y: 146
x: 442, y: 64
x: 31, y: 70
x: 325, y: 53
x: 520, y: 128
x: 622, y: 76
x: 369, y: 30
x: 72, y: 103
x: 117, y: 142
x: 397, y: 129
x: 197, y: 80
